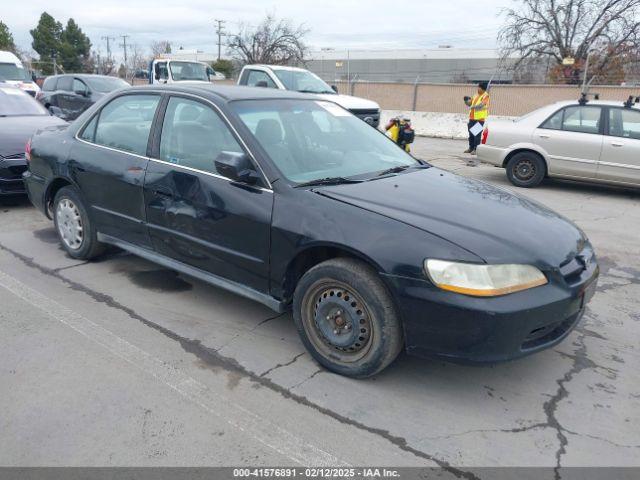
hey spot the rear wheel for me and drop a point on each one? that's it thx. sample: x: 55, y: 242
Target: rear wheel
x: 346, y: 318
x: 75, y: 230
x: 526, y: 169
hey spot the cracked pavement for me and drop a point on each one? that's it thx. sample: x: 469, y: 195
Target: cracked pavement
x: 74, y: 399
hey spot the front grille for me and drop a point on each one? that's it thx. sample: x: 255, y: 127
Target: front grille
x: 542, y: 335
x: 365, y: 111
x: 14, y: 156
x: 16, y: 171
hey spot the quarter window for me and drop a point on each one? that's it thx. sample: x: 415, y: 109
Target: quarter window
x: 125, y: 123
x: 64, y: 83
x: 257, y: 76
x: 193, y: 135
x: 624, y: 123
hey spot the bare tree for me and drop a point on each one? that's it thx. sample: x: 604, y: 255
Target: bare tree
x: 273, y: 41
x: 137, y: 62
x: 559, y: 29
x: 160, y: 47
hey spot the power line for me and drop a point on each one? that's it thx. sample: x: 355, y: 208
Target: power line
x: 220, y: 33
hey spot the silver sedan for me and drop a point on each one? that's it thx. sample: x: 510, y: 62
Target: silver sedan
x: 595, y: 141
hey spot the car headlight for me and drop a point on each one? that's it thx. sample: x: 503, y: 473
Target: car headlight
x: 483, y: 280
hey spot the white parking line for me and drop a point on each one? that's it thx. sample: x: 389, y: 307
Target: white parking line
x: 250, y: 423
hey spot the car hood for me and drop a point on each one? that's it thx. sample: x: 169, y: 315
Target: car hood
x: 490, y: 222
x: 15, y: 131
x: 349, y: 102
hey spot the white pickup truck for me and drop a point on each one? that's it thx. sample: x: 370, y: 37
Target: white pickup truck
x: 301, y: 80
x: 165, y: 70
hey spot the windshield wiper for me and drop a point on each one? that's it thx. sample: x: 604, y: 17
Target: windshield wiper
x: 328, y: 181
x: 399, y: 168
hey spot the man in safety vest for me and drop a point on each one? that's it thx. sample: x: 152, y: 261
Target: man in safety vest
x: 478, y: 112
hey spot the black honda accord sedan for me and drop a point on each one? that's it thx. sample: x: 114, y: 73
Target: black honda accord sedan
x: 292, y: 201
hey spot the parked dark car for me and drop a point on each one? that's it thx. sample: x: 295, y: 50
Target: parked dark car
x: 292, y: 201
x: 20, y: 117
x: 67, y: 96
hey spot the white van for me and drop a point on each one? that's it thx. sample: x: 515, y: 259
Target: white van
x: 13, y: 72
x: 164, y: 70
x: 301, y: 80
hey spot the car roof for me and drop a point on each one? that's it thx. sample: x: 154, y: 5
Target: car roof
x: 81, y: 75
x: 606, y: 103
x: 8, y: 57
x: 227, y: 92
x: 278, y: 67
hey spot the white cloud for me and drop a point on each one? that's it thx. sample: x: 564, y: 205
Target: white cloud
x: 340, y: 24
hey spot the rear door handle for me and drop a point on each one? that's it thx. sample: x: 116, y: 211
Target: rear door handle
x: 617, y: 144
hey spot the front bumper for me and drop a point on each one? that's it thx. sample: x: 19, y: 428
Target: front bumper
x: 468, y: 329
x: 11, y: 171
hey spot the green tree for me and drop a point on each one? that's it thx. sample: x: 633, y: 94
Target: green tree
x: 224, y: 66
x: 75, y: 48
x: 6, y: 39
x: 46, y: 41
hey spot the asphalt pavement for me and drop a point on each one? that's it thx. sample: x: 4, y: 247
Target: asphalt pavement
x: 119, y: 362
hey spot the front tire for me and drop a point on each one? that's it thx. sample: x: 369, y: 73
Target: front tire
x: 346, y: 318
x: 526, y: 169
x: 76, y: 232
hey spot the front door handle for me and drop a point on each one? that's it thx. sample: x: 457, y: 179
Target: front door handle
x: 544, y: 135
x: 163, y: 192
x: 617, y: 144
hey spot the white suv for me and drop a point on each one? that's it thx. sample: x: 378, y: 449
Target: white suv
x: 301, y: 80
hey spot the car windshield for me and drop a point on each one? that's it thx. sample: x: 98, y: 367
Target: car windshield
x: 302, y: 81
x: 310, y: 140
x: 14, y: 102
x: 11, y: 72
x: 188, y: 71
x: 105, y: 84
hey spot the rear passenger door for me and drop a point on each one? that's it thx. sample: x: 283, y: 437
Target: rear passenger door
x: 108, y: 163
x: 573, y: 138
x: 620, y: 161
x: 196, y: 215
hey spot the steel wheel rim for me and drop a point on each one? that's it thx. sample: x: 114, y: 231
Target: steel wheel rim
x: 337, y: 321
x: 69, y: 223
x: 524, y: 170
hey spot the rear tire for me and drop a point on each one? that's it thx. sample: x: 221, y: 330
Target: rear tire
x: 76, y: 232
x: 526, y: 169
x: 346, y: 318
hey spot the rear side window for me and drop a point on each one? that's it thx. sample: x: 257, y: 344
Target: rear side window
x: 125, y: 123
x: 624, y: 123
x: 581, y: 119
x: 49, y: 84
x: 193, y: 135
x: 64, y: 83
x: 257, y: 76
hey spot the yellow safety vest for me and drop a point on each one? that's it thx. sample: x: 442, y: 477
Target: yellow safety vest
x: 479, y: 114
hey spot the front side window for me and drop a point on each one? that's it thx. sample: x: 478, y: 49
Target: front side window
x: 309, y: 140
x: 258, y: 76
x: 554, y: 122
x: 106, y: 84
x: 193, y: 135
x: 624, y: 123
x: 125, y: 123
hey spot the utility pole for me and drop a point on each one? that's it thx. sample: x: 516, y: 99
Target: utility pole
x: 220, y: 33
x: 124, y: 46
x: 108, y: 39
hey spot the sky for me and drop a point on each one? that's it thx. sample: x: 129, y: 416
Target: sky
x: 343, y: 24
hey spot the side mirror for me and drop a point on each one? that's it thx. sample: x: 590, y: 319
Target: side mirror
x: 262, y: 84
x: 237, y: 167
x: 334, y: 88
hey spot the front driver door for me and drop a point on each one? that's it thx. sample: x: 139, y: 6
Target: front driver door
x: 194, y: 214
x: 620, y: 161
